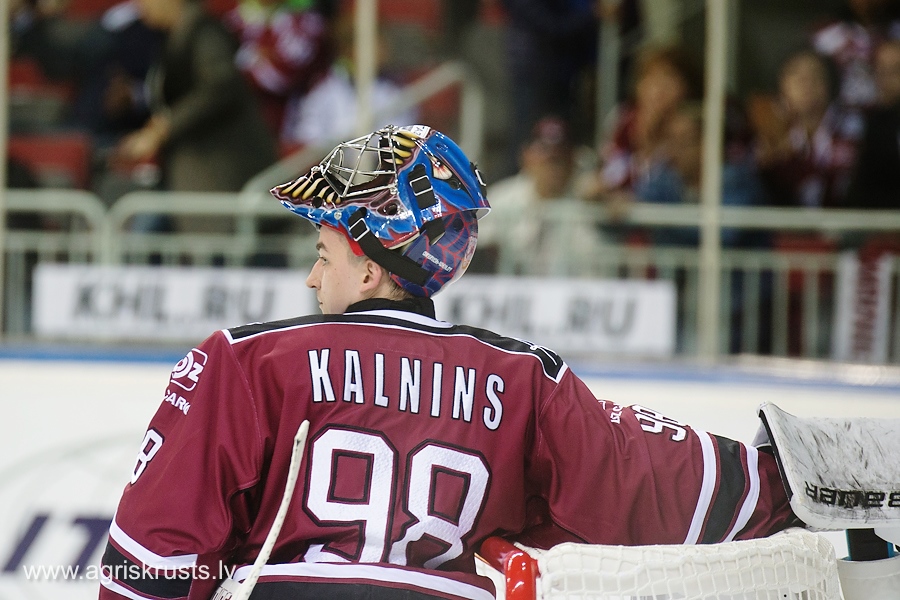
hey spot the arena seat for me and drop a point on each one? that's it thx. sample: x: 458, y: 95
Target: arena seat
x: 56, y: 159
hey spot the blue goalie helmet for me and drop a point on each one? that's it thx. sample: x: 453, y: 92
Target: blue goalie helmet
x: 406, y: 197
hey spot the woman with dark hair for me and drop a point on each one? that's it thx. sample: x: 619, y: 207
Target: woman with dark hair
x: 806, y: 141
x: 663, y: 80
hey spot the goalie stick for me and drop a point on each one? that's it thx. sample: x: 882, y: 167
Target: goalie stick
x: 227, y: 590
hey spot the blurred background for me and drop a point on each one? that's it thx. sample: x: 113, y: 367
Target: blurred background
x: 743, y: 154
x: 696, y: 203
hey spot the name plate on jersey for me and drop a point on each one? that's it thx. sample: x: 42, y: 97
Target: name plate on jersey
x: 161, y: 303
x: 634, y: 317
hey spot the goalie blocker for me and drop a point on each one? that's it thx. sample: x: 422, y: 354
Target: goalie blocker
x: 844, y: 474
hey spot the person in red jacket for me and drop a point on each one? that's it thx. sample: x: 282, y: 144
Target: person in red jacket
x: 425, y: 437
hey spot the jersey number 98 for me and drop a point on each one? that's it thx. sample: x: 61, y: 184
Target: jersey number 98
x: 353, y: 478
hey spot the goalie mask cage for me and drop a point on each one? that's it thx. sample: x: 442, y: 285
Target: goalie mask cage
x: 792, y: 565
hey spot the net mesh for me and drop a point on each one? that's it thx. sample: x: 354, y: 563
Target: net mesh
x: 793, y: 565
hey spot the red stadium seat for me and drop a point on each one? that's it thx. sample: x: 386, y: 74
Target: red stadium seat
x: 26, y: 78
x: 88, y: 9
x: 57, y: 159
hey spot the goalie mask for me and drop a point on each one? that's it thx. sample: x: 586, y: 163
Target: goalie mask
x: 406, y: 197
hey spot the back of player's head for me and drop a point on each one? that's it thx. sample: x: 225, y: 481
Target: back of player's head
x: 406, y: 197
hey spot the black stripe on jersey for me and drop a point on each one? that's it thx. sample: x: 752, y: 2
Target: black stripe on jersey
x: 243, y: 331
x: 732, y: 486
x: 158, y: 584
x: 551, y: 362
x: 296, y: 590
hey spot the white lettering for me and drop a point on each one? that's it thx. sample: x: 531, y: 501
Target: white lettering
x: 494, y: 413
x: 318, y: 370
x: 409, y: 384
x: 468, y: 394
x: 436, y: 390
x: 353, y: 384
x: 177, y: 401
x: 194, y: 375
x: 380, y: 398
x: 616, y: 414
x: 437, y: 261
x: 463, y: 394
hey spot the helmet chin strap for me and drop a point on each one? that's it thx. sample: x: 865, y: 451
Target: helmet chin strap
x: 400, y: 265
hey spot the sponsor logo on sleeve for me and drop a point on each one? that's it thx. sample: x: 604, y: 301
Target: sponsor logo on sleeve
x: 186, y: 373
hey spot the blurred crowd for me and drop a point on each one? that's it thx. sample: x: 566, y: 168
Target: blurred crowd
x: 204, y: 94
x: 188, y: 95
x: 825, y: 136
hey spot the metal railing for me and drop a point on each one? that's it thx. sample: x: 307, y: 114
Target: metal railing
x: 74, y: 227
x: 772, y: 301
x: 228, y: 232
x: 777, y: 301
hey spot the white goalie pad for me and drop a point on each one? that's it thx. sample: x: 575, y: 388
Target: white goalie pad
x: 841, y: 473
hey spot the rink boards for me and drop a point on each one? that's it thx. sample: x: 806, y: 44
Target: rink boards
x: 71, y: 431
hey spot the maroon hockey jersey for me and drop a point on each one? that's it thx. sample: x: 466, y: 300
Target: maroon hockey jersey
x: 424, y: 439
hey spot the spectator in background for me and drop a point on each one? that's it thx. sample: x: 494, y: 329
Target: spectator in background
x: 851, y: 42
x: 112, y: 100
x: 876, y: 181
x: 806, y: 141
x: 806, y: 147
x: 101, y: 63
x: 329, y: 111
x: 39, y: 29
x: 551, y: 45
x: 876, y: 185
x: 537, y: 225
x: 676, y: 178
x: 285, y: 48
x: 205, y: 126
x: 664, y: 79
x: 457, y: 17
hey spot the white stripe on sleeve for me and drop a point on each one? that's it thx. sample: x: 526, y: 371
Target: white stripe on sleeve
x: 706, y: 488
x: 148, y: 557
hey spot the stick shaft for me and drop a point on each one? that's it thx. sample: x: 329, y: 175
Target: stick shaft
x: 293, y: 473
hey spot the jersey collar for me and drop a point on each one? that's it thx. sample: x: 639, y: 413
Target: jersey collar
x: 417, y: 306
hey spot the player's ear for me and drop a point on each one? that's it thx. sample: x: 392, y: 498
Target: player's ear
x: 374, y: 276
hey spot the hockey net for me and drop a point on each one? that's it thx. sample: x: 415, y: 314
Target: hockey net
x: 792, y: 565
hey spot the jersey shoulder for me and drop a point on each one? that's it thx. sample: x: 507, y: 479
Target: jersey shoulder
x: 552, y: 365
x: 250, y: 330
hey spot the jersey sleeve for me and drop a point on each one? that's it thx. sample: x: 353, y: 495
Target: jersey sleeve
x: 613, y: 474
x: 183, y: 505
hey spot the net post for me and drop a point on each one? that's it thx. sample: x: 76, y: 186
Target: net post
x: 520, y: 570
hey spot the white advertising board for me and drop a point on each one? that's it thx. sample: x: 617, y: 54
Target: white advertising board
x: 633, y: 317
x: 161, y: 303
x: 68, y: 441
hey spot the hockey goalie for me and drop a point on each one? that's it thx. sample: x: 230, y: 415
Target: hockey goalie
x: 424, y: 438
